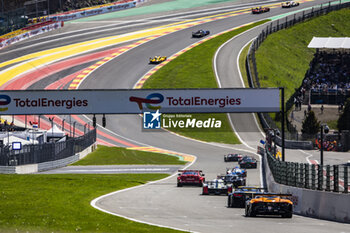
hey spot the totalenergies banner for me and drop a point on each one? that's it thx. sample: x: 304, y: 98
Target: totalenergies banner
x: 32, y: 102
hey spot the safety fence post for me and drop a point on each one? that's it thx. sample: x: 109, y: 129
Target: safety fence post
x: 313, y: 177
x: 297, y: 175
x: 303, y: 16
x: 294, y: 175
x: 301, y: 175
x: 286, y: 23
x: 285, y: 173
x: 346, y: 185
x: 278, y: 172
x: 320, y: 177
x: 336, y: 178
x: 307, y: 176
x: 270, y: 28
x: 328, y: 178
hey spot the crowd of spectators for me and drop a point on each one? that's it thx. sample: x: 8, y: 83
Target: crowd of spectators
x: 329, y: 72
x: 78, y: 4
x: 66, y: 5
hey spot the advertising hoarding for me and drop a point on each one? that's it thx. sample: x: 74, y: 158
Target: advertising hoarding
x: 226, y: 100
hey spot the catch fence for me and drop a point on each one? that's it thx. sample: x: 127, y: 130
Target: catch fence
x: 332, y: 178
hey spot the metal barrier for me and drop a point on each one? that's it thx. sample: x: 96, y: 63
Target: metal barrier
x: 331, y: 178
x: 31, y: 154
x: 253, y: 77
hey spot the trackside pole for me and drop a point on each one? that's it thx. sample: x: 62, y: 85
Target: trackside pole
x: 282, y: 121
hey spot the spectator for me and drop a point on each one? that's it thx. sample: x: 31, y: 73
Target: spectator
x: 328, y: 72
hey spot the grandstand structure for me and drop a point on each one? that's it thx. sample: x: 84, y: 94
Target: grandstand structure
x: 328, y: 78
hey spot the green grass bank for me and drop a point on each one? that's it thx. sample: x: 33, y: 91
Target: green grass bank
x: 105, y: 155
x: 194, y: 69
x: 61, y: 203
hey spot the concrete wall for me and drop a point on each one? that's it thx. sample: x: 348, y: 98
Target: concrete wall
x: 33, y: 168
x: 313, y: 203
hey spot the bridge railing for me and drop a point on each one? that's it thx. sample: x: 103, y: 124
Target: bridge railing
x: 288, y: 21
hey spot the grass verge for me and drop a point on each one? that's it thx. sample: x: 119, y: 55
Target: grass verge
x: 283, y: 58
x: 118, y: 155
x: 61, y: 203
x: 194, y: 69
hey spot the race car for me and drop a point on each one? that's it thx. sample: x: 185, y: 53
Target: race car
x: 217, y: 187
x: 233, y: 179
x: 200, y: 33
x: 157, y: 59
x: 190, y: 177
x: 238, y: 171
x: 259, y: 10
x: 241, y: 194
x: 269, y: 204
x: 248, y: 162
x: 232, y: 157
x: 289, y: 4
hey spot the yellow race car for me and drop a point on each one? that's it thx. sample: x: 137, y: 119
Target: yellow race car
x: 269, y: 204
x: 157, y: 59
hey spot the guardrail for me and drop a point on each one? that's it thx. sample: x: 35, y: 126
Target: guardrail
x: 253, y: 76
x: 331, y: 178
x: 39, y: 153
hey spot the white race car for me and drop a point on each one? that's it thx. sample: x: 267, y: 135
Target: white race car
x: 289, y: 4
x: 217, y: 186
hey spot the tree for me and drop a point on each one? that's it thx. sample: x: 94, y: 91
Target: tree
x: 344, y: 119
x: 311, y: 125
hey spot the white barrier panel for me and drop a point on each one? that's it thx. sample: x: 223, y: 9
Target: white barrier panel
x: 31, y: 33
x: 96, y: 11
x: 138, y: 101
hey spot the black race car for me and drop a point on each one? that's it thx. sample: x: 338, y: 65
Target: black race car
x: 269, y: 204
x: 241, y: 194
x: 232, y: 157
x: 248, y: 162
x: 234, y: 179
x: 200, y: 33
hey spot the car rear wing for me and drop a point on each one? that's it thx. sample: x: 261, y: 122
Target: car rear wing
x: 189, y: 170
x: 271, y: 194
x: 213, y: 182
x: 251, y: 188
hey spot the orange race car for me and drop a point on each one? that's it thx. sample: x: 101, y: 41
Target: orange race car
x: 269, y: 204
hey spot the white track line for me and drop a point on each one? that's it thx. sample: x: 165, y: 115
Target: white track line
x: 241, y: 78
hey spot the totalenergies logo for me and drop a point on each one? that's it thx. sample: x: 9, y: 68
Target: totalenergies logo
x: 4, y: 100
x: 154, y: 98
